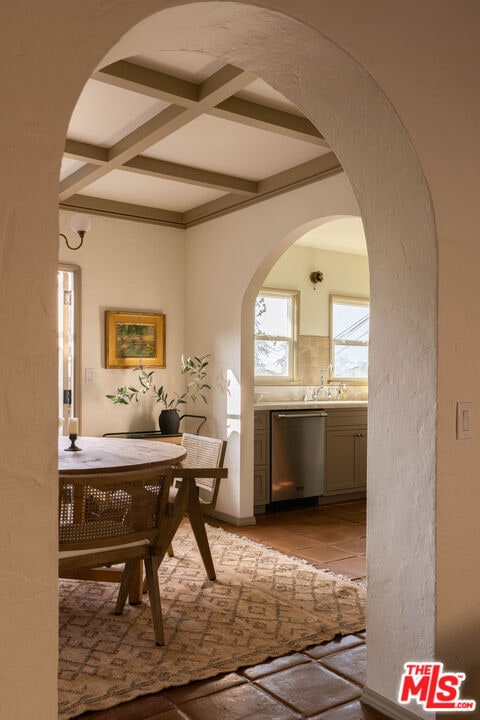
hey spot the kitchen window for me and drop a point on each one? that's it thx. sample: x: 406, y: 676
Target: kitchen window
x: 349, y: 335
x: 276, y: 322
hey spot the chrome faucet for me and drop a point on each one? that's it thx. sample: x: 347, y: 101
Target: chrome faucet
x: 317, y: 391
x: 321, y: 390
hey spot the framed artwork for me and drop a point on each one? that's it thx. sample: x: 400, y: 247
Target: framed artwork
x: 133, y: 336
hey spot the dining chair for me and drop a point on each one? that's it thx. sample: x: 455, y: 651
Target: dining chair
x: 120, y: 517
x: 204, y: 461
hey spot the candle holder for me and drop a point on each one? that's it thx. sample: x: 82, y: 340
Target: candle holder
x: 73, y: 447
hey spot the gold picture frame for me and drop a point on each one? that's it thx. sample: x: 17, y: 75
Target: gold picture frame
x: 134, y: 336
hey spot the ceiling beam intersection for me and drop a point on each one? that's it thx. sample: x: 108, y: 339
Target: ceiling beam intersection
x: 92, y: 154
x: 227, y: 81
x: 153, y: 83
x: 304, y: 174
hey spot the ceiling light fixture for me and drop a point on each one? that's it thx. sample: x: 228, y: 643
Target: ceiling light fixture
x: 81, y: 224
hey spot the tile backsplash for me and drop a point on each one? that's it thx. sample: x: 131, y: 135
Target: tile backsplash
x: 313, y: 355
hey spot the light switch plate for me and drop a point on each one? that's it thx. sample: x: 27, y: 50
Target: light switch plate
x: 464, y: 421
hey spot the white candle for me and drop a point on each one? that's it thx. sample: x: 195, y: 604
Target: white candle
x: 73, y: 426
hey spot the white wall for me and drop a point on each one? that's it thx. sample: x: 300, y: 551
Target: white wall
x: 128, y: 266
x: 343, y: 274
x: 223, y: 258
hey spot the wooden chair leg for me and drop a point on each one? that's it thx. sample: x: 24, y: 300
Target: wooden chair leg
x: 127, y: 575
x: 197, y: 522
x: 155, y: 603
x: 135, y: 588
x: 175, y: 518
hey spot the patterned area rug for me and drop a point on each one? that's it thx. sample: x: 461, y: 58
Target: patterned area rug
x: 263, y: 604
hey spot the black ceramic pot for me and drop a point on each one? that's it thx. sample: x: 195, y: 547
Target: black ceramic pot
x: 169, y: 421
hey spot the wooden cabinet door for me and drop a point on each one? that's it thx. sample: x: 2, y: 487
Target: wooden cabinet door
x: 346, y: 460
x: 260, y: 448
x: 339, y: 461
x: 261, y: 459
x: 361, y: 459
x: 260, y: 486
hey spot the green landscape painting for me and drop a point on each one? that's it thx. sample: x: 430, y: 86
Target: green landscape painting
x: 135, y: 340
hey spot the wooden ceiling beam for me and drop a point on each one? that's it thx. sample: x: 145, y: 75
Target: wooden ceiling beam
x: 190, y: 175
x: 216, y: 88
x: 86, y: 152
x: 143, y: 80
x: 139, y: 79
x: 270, y: 119
x: 304, y: 174
x: 92, y: 154
x: 126, y: 211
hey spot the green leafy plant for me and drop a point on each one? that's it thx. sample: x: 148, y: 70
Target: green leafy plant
x: 194, y: 368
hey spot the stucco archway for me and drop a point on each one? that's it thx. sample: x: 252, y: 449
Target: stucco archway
x: 394, y: 201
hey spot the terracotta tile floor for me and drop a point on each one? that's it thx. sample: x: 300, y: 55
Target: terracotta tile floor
x: 321, y: 683
x: 329, y: 536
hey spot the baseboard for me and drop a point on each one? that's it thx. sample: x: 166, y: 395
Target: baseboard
x: 388, y: 708
x: 231, y: 519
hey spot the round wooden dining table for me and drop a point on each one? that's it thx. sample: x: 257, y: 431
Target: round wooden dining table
x: 98, y: 454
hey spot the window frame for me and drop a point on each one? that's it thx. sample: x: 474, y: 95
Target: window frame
x: 76, y: 384
x: 357, y: 300
x: 294, y: 298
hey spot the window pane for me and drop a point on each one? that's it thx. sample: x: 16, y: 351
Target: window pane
x: 271, y: 358
x: 273, y: 316
x: 67, y: 303
x: 350, y: 318
x: 350, y: 322
x: 350, y: 361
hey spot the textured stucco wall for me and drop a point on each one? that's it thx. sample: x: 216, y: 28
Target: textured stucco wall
x: 340, y: 67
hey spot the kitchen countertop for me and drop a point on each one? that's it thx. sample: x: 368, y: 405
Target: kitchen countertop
x: 310, y: 404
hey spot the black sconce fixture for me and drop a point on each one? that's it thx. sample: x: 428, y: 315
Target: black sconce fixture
x: 316, y: 277
x: 81, y: 224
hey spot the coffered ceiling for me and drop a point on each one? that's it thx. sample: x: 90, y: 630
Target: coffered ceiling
x: 180, y: 138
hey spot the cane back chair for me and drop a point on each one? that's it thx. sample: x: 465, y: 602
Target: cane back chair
x: 204, y: 460
x: 120, y: 517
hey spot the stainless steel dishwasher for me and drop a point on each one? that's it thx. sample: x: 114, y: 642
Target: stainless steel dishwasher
x: 298, y: 454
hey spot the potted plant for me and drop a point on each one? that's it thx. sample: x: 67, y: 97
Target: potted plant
x: 195, y: 368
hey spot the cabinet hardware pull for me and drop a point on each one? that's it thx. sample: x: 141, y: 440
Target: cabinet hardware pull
x: 302, y: 415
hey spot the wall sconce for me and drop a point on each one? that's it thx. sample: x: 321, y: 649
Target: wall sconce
x: 315, y: 277
x: 81, y: 224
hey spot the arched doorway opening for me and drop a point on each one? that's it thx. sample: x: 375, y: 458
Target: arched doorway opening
x: 401, y: 281
x: 403, y: 277
x: 402, y: 249
x: 305, y: 365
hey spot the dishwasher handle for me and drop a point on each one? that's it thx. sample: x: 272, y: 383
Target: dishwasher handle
x: 284, y: 416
